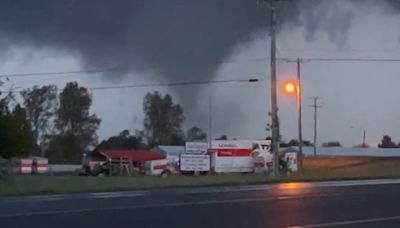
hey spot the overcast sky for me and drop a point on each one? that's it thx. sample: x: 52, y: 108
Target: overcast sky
x: 191, y: 46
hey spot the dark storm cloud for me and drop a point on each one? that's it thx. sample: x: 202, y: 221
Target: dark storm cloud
x: 182, y: 39
x: 178, y: 38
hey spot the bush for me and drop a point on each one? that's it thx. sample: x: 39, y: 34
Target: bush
x: 3, y: 169
x: 283, y: 166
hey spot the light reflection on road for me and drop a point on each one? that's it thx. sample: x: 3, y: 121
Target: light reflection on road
x: 293, y: 188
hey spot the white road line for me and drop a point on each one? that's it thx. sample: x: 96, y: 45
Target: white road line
x: 298, y: 184
x: 177, y: 204
x: 205, y: 190
x: 106, y: 195
x: 139, y: 207
x: 351, y: 222
x: 98, y: 195
x: 157, y: 205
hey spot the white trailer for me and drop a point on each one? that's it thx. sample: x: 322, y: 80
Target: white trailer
x: 21, y: 165
x: 159, y: 167
x: 229, y: 156
x: 40, y: 165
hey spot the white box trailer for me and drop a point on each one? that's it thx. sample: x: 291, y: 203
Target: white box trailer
x: 159, y: 167
x: 236, y: 156
x: 40, y: 165
x: 21, y: 165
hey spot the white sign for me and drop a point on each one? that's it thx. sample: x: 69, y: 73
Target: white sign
x: 231, y: 144
x: 291, y: 159
x: 195, y: 162
x: 233, y: 164
x: 264, y: 145
x: 196, y: 148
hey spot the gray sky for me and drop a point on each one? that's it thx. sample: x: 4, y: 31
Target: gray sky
x: 356, y: 96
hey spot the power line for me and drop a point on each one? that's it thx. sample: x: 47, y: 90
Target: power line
x: 351, y: 60
x: 159, y: 84
x: 60, y: 73
x: 96, y: 71
x: 174, y: 84
x: 388, y: 50
x: 261, y: 59
x: 343, y: 59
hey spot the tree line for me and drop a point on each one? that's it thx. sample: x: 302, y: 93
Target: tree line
x: 162, y: 125
x: 58, y: 125
x: 42, y: 121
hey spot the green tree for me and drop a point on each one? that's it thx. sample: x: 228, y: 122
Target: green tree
x: 195, y: 134
x: 65, y: 149
x: 5, y: 103
x: 332, y: 144
x: 295, y: 142
x: 41, y: 105
x: 76, y: 127
x: 15, y: 134
x: 387, y: 142
x: 222, y: 137
x: 163, y: 120
x: 123, y: 141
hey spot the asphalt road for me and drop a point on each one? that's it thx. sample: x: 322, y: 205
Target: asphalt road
x: 333, y: 204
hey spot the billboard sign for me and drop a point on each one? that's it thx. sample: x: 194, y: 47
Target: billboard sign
x: 196, y: 148
x: 195, y: 162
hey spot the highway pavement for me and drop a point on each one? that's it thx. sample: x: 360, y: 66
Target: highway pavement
x: 373, y: 203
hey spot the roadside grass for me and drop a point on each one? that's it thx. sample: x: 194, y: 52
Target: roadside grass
x: 33, y: 185
x: 347, y: 168
x: 315, y: 169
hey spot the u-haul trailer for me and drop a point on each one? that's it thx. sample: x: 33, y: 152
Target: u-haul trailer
x: 236, y: 156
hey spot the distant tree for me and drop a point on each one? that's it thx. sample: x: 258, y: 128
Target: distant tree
x: 41, y: 105
x: 222, y: 137
x: 123, y: 141
x: 65, y: 149
x: 76, y: 127
x: 387, y: 142
x: 195, y: 134
x: 332, y: 144
x: 15, y: 134
x: 163, y: 120
x: 282, y: 143
x: 362, y: 145
x: 307, y: 143
x: 295, y: 142
x: 5, y: 103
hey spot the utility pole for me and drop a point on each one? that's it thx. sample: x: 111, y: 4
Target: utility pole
x: 274, y: 105
x: 315, y: 106
x: 210, y: 120
x: 363, y: 142
x: 299, y: 108
x: 299, y: 119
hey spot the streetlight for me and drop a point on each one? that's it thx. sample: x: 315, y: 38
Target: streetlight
x: 292, y: 88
